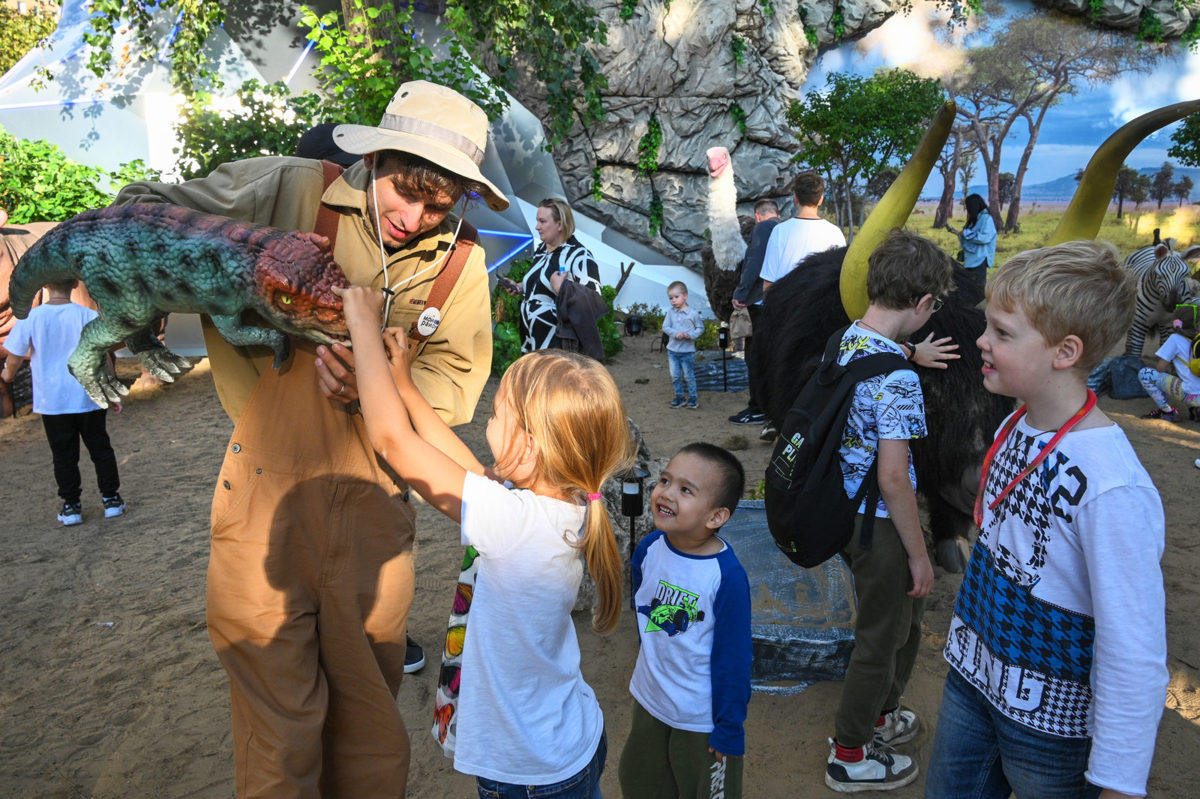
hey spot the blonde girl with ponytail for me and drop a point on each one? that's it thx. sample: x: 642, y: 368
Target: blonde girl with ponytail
x: 557, y: 433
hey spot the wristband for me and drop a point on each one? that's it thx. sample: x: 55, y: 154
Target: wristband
x: 912, y: 350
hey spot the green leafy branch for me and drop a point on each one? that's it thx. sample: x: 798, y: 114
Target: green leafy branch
x: 647, y: 161
x: 739, y: 117
x: 656, y: 213
x: 738, y: 45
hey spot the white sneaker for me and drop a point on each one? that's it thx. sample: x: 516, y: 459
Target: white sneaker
x: 899, y: 727
x: 881, y: 769
x: 70, y: 515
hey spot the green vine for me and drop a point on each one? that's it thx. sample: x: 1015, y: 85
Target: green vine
x: 738, y: 45
x: 810, y: 33
x: 768, y: 8
x: 1150, y: 28
x: 597, y: 186
x: 647, y: 161
x: 839, y: 25
x: 1191, y: 36
x: 656, y: 213
x: 1095, y: 11
x: 739, y: 117
x: 627, y: 9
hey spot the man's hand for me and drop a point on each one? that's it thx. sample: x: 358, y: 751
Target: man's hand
x: 738, y: 305
x: 335, y: 373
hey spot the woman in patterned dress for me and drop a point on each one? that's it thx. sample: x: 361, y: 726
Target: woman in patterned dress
x: 560, y: 256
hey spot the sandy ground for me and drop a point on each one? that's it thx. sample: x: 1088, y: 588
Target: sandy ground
x: 109, y: 687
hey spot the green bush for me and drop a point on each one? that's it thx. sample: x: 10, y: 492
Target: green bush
x: 652, y: 316
x: 708, y: 339
x: 506, y: 332
x: 38, y: 183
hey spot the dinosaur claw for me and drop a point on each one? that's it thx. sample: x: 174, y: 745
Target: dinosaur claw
x: 164, y: 364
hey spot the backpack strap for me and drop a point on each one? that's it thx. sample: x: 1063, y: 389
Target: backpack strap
x: 327, y: 218
x: 456, y: 260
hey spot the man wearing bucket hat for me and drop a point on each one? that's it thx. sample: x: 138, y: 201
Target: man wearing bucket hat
x: 310, y: 576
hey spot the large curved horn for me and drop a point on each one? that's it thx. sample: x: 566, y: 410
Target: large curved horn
x: 1084, y: 215
x: 892, y: 211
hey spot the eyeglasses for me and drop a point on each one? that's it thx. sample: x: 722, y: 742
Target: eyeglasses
x: 938, y: 302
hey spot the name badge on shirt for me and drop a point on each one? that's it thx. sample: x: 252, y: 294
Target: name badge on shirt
x: 428, y: 321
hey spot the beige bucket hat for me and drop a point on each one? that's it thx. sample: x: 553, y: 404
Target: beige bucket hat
x: 435, y: 123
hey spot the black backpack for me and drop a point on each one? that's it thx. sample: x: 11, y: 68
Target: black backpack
x: 808, y: 512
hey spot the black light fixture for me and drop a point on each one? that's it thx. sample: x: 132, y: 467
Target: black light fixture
x: 633, y: 325
x: 632, y: 507
x: 723, y: 343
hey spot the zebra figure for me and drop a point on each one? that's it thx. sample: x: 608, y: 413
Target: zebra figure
x: 1163, y: 276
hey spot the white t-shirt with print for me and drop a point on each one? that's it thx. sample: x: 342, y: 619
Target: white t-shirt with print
x: 526, y: 715
x: 1177, y: 351
x: 889, y: 406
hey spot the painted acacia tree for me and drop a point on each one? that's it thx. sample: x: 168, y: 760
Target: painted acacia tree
x: 1031, y: 64
x: 858, y: 127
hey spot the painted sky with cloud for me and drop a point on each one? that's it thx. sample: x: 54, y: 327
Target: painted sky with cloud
x: 1073, y: 128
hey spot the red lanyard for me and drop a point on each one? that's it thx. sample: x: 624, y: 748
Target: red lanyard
x: 1041, y: 456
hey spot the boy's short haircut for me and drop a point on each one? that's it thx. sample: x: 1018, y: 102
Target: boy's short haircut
x: 733, y: 476
x: 66, y: 285
x: 1075, y: 288
x: 678, y: 285
x: 906, y: 267
x: 765, y: 206
x: 808, y: 188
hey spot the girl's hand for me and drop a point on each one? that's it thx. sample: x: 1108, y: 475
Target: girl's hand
x: 395, y: 341
x: 362, y: 306
x: 934, y: 354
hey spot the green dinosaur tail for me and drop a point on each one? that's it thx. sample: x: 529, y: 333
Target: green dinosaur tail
x: 44, y: 262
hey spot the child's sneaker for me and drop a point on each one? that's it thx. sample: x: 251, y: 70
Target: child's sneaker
x: 113, y: 506
x: 71, y: 514
x: 1168, y: 415
x: 693, y: 404
x: 677, y: 402
x: 876, y: 769
x: 896, y: 727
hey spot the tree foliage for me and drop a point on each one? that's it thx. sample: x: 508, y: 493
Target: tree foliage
x: 1163, y: 183
x: 39, y: 183
x: 1185, y: 141
x: 857, y: 127
x: 22, y: 32
x: 369, y: 47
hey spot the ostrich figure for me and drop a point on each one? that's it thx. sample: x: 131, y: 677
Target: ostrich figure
x: 722, y: 258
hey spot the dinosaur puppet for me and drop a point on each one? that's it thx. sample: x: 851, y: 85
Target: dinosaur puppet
x: 140, y: 262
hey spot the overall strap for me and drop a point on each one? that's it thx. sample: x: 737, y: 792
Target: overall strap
x: 327, y: 218
x: 460, y: 251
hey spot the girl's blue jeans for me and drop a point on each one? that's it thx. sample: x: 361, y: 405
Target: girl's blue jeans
x: 583, y: 785
x: 683, y: 373
x: 979, y: 753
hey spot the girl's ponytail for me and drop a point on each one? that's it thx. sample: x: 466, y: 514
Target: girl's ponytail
x: 599, y: 547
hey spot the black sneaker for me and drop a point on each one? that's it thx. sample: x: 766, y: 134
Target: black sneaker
x: 677, y: 402
x: 113, y: 506
x: 71, y: 514
x: 414, y: 656
x: 747, y: 416
x: 768, y: 433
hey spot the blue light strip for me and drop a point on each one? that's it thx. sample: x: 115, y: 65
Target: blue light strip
x: 287, y: 81
x: 525, y: 240
x: 162, y: 56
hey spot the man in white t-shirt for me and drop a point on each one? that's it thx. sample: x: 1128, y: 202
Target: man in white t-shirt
x: 795, y: 239
x: 1171, y: 383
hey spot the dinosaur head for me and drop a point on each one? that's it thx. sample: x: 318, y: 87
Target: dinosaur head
x: 294, y: 278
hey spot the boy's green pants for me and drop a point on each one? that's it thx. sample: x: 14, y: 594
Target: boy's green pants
x: 661, y: 762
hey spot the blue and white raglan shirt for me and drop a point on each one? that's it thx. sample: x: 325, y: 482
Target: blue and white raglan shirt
x: 889, y: 406
x: 1060, y: 621
x: 693, y: 617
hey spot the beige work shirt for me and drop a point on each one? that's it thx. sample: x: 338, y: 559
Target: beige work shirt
x: 450, y: 367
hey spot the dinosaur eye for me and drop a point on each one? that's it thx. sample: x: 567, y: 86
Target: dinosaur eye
x: 286, y: 300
